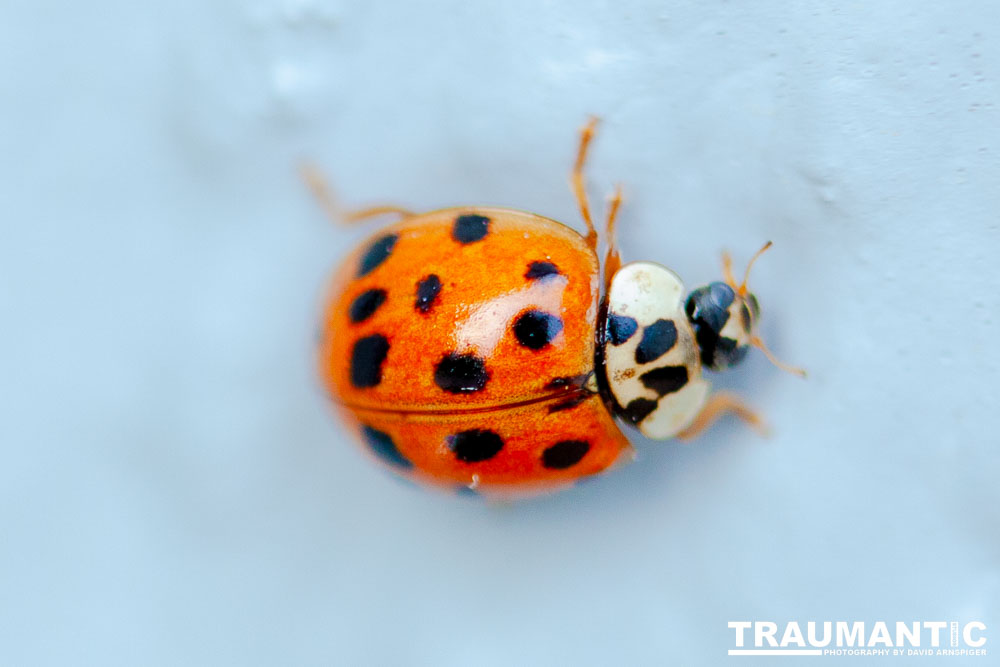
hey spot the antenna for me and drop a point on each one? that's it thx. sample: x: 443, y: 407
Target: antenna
x: 741, y: 290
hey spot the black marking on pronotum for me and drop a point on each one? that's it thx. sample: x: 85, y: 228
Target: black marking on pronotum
x: 461, y: 373
x: 638, y: 409
x: 665, y: 380
x: 365, y: 304
x: 427, y: 292
x: 564, y: 454
x: 383, y: 447
x: 537, y: 270
x: 475, y: 445
x: 470, y: 228
x: 377, y: 252
x: 535, y: 329
x: 367, y: 357
x: 657, y: 339
x: 620, y: 328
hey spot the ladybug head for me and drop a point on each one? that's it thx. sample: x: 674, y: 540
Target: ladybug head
x: 724, y: 316
x: 724, y: 323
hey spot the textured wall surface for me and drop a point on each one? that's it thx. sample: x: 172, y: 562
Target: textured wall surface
x: 174, y: 488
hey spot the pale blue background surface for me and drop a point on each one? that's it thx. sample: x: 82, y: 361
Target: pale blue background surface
x: 175, y: 489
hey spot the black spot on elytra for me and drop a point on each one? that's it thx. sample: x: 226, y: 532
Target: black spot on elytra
x: 620, y: 328
x: 461, y: 373
x: 383, y: 447
x: 657, y: 339
x: 367, y: 357
x: 569, y: 403
x: 638, y: 409
x: 535, y: 329
x: 365, y: 305
x: 538, y: 270
x: 470, y: 228
x: 475, y: 445
x: 377, y: 252
x: 427, y: 292
x: 744, y: 316
x: 665, y: 380
x: 564, y: 454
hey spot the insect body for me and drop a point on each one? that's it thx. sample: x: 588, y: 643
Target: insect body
x: 472, y: 347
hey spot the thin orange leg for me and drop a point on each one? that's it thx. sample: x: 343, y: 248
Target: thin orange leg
x: 741, y: 290
x: 576, y: 181
x: 612, y: 260
x: 321, y: 190
x: 718, y: 405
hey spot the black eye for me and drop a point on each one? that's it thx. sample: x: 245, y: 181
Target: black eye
x: 709, y: 305
x: 721, y: 295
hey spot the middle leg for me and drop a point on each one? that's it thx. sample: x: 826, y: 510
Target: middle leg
x: 612, y: 260
x: 719, y: 404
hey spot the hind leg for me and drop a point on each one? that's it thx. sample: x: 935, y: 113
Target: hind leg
x: 612, y: 260
x: 321, y: 190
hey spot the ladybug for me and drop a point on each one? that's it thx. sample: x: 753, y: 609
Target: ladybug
x: 479, y: 348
